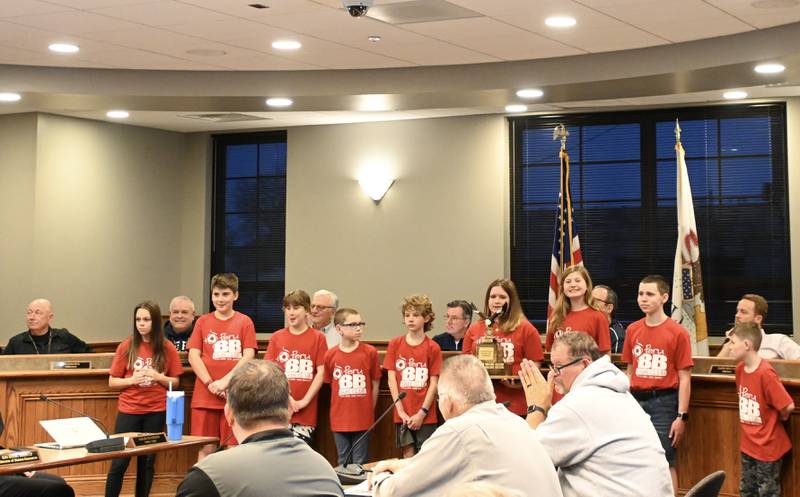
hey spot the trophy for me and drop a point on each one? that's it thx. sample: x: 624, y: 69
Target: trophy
x: 490, y: 351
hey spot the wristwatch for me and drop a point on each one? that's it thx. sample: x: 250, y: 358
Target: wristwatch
x: 683, y: 415
x: 424, y: 409
x: 534, y: 408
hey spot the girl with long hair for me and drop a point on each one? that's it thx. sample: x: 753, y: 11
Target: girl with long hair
x: 518, y: 337
x: 575, y: 310
x: 144, y: 366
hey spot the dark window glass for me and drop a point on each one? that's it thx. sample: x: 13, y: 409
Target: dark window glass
x: 623, y: 190
x: 250, y: 221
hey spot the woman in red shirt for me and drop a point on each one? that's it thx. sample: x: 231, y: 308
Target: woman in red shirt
x: 575, y: 310
x: 519, y: 338
x: 144, y: 365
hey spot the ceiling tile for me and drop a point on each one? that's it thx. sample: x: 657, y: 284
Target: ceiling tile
x: 230, y: 29
x: 97, y: 4
x: 74, y: 22
x: 242, y: 9
x: 161, y: 13
x: 758, y: 17
x: 13, y: 8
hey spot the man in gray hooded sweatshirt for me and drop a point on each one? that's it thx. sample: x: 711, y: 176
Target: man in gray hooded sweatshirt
x: 598, y: 436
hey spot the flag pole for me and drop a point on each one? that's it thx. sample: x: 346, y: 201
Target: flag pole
x: 560, y: 132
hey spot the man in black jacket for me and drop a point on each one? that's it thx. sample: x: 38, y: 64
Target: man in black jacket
x: 40, y: 338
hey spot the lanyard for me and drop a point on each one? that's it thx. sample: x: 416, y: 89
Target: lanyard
x: 49, y: 341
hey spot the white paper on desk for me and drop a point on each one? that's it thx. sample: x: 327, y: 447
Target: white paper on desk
x: 72, y: 432
x: 360, y: 489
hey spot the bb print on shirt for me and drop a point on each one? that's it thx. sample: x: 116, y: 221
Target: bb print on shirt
x: 413, y: 374
x: 651, y: 362
x: 352, y: 382
x: 508, y: 348
x: 225, y: 346
x: 143, y: 363
x: 749, y: 408
x: 296, y: 365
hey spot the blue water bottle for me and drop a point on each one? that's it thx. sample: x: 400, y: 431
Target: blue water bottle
x: 174, y: 415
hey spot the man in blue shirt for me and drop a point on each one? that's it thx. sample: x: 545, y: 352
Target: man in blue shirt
x: 458, y: 319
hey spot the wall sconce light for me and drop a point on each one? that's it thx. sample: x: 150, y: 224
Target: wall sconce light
x: 375, y: 181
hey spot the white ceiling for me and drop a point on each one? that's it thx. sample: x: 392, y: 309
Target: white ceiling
x: 158, y: 34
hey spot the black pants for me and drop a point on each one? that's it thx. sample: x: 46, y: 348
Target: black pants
x: 147, y: 423
x: 41, y: 485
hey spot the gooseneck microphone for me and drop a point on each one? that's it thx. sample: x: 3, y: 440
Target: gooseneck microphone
x: 107, y: 444
x: 353, y: 474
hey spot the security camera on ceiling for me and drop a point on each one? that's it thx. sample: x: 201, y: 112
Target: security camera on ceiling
x: 357, y: 8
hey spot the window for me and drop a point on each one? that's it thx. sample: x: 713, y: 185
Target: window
x: 249, y: 233
x: 623, y: 192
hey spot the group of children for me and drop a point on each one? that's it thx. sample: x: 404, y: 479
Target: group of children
x: 656, y: 349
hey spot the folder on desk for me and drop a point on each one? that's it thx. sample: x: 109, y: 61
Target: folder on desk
x: 70, y: 433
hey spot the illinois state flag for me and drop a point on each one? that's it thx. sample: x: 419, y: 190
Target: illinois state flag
x: 688, y: 307
x: 566, y: 244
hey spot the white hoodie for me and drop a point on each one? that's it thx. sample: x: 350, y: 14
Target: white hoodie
x: 601, y: 440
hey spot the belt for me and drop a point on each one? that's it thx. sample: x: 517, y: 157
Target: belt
x: 652, y: 394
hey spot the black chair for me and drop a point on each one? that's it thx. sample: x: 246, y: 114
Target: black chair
x: 708, y: 486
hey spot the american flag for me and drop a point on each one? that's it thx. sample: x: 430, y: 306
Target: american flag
x: 566, y: 246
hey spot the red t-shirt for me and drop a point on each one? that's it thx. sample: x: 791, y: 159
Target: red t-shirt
x: 590, y: 321
x: 351, y: 375
x: 657, y: 354
x: 761, y: 397
x: 522, y: 343
x: 221, y: 344
x: 152, y: 397
x: 299, y: 356
x: 413, y: 367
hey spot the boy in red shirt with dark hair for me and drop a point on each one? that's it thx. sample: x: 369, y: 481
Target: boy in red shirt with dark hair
x: 659, y: 357
x: 220, y: 341
x: 300, y: 351
x: 413, y: 362
x: 763, y: 404
x: 352, y: 369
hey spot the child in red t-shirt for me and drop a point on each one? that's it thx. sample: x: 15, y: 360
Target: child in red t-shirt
x: 220, y: 341
x: 518, y: 337
x: 300, y: 351
x: 659, y: 357
x: 575, y: 310
x: 352, y: 369
x: 144, y: 366
x: 413, y: 362
x: 763, y: 404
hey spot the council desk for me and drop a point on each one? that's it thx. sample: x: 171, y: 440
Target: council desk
x: 711, y: 441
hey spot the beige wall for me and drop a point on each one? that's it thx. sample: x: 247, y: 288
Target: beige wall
x: 793, y: 151
x: 104, y: 221
x: 439, y: 230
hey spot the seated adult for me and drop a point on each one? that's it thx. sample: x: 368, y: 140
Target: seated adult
x: 457, y: 321
x: 597, y: 435
x: 752, y: 308
x: 607, y: 298
x: 270, y: 460
x: 323, y: 306
x: 35, y: 486
x: 181, y: 322
x: 479, y: 441
x: 40, y: 338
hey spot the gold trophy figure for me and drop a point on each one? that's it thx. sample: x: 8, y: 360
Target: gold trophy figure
x: 490, y: 351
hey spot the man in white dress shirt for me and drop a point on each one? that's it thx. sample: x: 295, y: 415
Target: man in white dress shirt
x: 752, y: 308
x: 323, y: 306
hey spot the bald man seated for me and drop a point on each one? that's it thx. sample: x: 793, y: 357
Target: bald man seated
x: 40, y: 338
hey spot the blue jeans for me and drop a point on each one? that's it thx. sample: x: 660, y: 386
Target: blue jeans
x: 344, y: 443
x: 663, y: 410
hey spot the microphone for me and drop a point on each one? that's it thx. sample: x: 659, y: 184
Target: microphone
x: 107, y: 444
x: 353, y: 474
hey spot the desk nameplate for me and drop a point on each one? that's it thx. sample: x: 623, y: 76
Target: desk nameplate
x: 55, y: 365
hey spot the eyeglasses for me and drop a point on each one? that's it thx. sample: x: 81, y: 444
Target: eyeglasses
x: 600, y: 300
x: 315, y: 307
x: 354, y: 325
x: 454, y: 318
x: 557, y: 369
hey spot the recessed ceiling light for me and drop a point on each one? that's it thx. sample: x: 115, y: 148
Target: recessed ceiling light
x: 560, y: 21
x: 206, y: 52
x: 9, y: 97
x: 63, y: 47
x: 286, y: 45
x: 771, y: 68
x: 117, y: 114
x: 374, y: 38
x: 734, y: 95
x: 530, y: 93
x: 516, y: 108
x: 279, y: 102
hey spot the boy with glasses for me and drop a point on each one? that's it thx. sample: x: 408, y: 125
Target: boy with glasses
x: 353, y: 372
x: 457, y: 321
